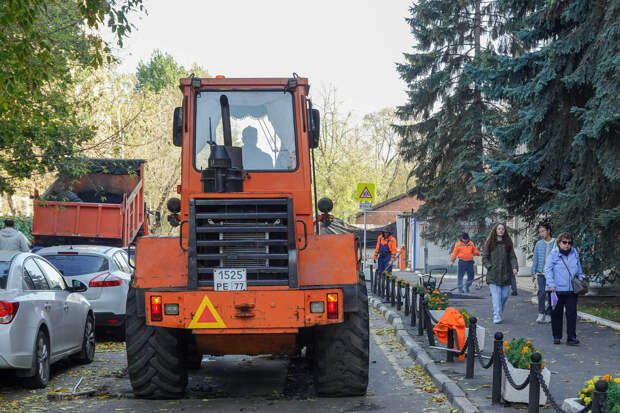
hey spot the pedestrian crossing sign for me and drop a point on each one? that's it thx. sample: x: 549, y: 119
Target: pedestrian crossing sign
x: 365, y: 192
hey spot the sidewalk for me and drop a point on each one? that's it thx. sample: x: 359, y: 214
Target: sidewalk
x: 598, y: 353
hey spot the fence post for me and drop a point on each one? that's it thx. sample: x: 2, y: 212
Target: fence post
x: 414, y: 303
x: 496, y: 390
x: 382, y: 287
x: 398, y: 297
x: 407, y: 299
x: 429, y: 326
x: 372, y: 281
x: 599, y: 397
x: 421, y: 317
x: 471, y: 348
x: 393, y: 293
x: 450, y: 346
x: 534, y: 383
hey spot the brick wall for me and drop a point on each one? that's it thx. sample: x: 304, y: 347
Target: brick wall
x: 400, y: 204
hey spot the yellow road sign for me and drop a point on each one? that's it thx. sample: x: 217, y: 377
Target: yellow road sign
x: 366, y: 192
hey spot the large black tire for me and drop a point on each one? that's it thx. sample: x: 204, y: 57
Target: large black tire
x: 154, y: 357
x: 341, y: 353
x: 87, y: 352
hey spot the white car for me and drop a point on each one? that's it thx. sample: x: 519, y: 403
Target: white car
x: 41, y: 319
x: 106, y: 273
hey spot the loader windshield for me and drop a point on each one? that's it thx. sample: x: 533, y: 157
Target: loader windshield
x: 262, y: 125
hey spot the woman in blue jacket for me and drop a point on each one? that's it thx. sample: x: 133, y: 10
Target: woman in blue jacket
x: 563, y: 264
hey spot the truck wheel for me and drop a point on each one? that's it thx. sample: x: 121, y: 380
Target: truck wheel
x: 154, y: 357
x: 341, y: 353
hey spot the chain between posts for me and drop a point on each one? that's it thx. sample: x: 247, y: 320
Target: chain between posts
x: 509, y: 376
x: 390, y: 288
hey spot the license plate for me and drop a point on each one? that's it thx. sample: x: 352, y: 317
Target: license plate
x: 230, y: 279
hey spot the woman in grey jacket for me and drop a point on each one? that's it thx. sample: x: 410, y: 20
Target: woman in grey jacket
x: 563, y: 264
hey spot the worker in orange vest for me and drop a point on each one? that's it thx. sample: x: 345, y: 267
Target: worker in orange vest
x: 384, y: 251
x: 465, y: 250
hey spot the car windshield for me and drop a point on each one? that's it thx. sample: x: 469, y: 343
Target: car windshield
x: 261, y: 125
x: 4, y: 273
x: 78, y: 264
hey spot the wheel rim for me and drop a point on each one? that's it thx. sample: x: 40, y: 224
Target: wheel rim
x: 43, y: 359
x: 89, y: 336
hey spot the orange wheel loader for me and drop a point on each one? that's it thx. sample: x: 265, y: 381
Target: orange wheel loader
x: 248, y: 272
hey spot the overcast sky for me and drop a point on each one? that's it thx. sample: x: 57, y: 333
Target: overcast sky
x: 351, y: 44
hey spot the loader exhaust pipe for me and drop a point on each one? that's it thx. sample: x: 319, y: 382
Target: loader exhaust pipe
x: 226, y: 120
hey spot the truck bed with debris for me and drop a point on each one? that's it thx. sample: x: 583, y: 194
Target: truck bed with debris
x: 103, y: 207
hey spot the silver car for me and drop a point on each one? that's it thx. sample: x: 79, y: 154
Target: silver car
x: 106, y: 272
x: 42, y: 320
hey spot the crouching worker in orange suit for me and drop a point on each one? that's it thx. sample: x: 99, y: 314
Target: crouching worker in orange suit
x: 451, y: 319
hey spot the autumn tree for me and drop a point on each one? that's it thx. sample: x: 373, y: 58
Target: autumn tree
x: 42, y: 43
x: 352, y: 151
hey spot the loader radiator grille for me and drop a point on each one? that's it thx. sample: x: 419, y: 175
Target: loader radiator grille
x: 256, y: 234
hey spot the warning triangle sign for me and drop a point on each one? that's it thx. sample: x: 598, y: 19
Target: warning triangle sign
x: 206, y: 316
x: 365, y: 194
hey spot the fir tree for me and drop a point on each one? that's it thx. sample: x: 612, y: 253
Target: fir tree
x: 560, y: 156
x: 442, y: 131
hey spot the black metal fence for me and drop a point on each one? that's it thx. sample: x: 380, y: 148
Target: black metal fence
x: 411, y: 300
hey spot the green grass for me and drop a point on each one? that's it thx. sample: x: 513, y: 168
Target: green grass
x: 610, y: 313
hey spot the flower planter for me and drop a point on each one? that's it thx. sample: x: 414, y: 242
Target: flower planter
x: 437, y: 314
x: 522, y: 396
x: 572, y: 405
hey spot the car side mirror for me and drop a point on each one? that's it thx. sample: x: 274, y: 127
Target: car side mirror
x: 315, y: 128
x: 78, y: 286
x: 177, y: 127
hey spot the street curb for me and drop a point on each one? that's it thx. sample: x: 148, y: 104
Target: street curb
x: 585, y: 316
x: 455, y: 394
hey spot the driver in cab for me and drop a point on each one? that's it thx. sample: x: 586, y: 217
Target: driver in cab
x: 253, y: 157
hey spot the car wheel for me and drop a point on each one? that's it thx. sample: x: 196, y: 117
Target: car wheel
x: 40, y: 363
x: 87, y: 352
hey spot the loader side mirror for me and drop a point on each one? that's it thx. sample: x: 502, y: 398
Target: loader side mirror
x: 177, y: 127
x: 315, y: 128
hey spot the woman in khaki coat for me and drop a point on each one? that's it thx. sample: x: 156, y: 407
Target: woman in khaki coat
x: 500, y: 260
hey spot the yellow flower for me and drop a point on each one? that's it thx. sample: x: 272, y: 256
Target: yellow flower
x: 587, y: 400
x: 528, y: 342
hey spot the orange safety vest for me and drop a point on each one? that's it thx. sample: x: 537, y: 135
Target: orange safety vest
x: 390, y: 241
x: 464, y: 251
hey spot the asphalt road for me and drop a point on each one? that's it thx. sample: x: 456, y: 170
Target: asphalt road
x: 238, y: 384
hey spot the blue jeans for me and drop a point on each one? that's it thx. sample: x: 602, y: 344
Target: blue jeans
x: 499, y: 295
x: 543, y: 295
x: 465, y: 267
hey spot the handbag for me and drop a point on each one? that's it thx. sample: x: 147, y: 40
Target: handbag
x: 579, y: 287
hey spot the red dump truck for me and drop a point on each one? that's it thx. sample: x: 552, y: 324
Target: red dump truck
x: 103, y: 207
